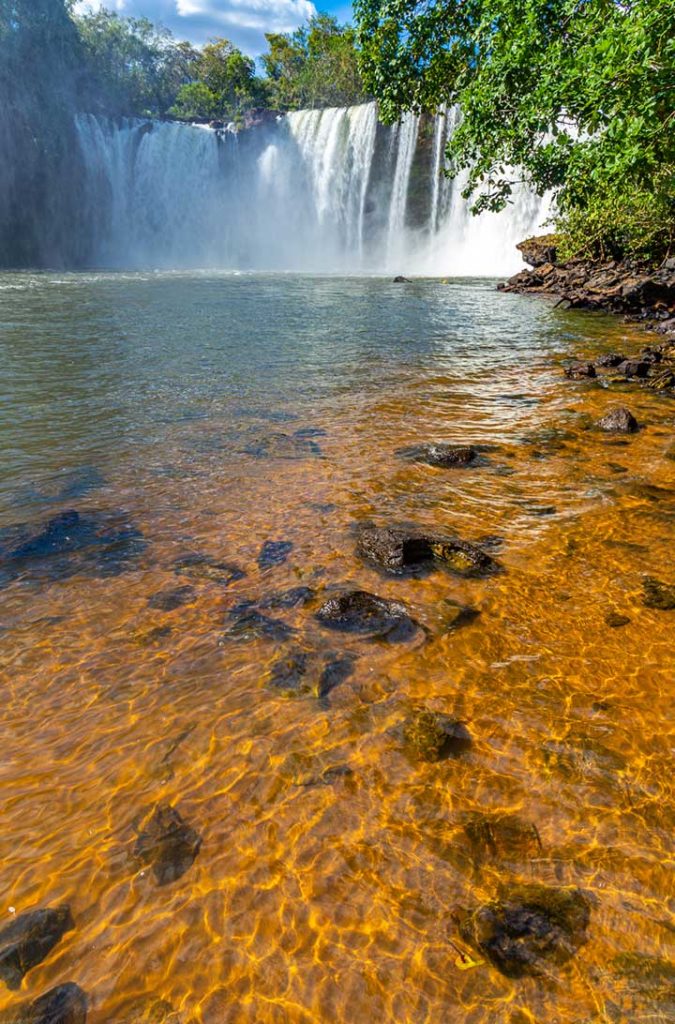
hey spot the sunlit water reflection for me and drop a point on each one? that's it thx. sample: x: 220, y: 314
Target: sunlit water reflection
x: 205, y: 415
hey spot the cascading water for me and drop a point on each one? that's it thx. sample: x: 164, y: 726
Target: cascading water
x: 318, y: 190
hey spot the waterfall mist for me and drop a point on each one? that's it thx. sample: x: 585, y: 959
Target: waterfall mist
x: 317, y: 190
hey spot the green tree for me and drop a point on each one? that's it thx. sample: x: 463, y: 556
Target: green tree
x: 195, y: 101
x: 577, y: 95
x: 230, y: 76
x: 315, y: 66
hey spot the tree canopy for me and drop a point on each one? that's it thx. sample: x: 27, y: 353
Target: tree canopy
x: 577, y: 96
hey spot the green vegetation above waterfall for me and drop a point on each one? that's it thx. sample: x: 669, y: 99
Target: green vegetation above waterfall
x: 579, y: 96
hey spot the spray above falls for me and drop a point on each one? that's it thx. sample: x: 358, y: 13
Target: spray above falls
x: 326, y: 190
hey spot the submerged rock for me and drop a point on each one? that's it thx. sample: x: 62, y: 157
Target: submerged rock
x: 401, y: 549
x: 174, y: 597
x: 529, y: 928
x: 579, y: 371
x: 619, y: 420
x: 249, y: 624
x: 301, y: 672
x: 614, y: 620
x: 29, y: 938
x: 289, y: 672
x: 328, y: 776
x: 430, y: 736
x: 445, y: 456
x: 103, y: 544
x: 295, y: 597
x: 336, y: 671
x: 357, y: 611
x: 274, y: 552
x: 500, y: 836
x: 65, y: 1004
x: 634, y: 368
x: 455, y: 615
x: 658, y: 595
x: 283, y: 446
x: 200, y: 567
x: 168, y: 844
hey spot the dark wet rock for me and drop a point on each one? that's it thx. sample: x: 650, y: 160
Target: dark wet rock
x: 294, y: 597
x: 614, y: 620
x: 400, y: 279
x: 274, y: 552
x: 633, y: 368
x: 539, y: 250
x: 65, y: 1004
x: 610, y: 359
x: 249, y: 624
x: 174, y: 597
x: 400, y: 550
x: 29, y: 938
x: 283, y: 446
x: 455, y: 615
x: 102, y: 544
x: 168, y: 844
x: 656, y: 594
x: 619, y: 420
x: 616, y: 468
x: 499, y: 836
x: 200, y: 567
x: 290, y: 672
x: 357, y: 611
x: 529, y: 928
x: 336, y: 671
x: 430, y: 736
x: 578, y: 371
x: 651, y: 355
x: 445, y: 456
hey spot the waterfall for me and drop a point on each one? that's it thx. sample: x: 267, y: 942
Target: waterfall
x: 327, y: 191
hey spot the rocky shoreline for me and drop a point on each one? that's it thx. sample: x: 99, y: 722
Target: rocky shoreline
x: 639, y: 291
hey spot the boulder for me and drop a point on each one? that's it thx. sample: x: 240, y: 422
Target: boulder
x: 579, y: 371
x: 65, y: 1004
x: 168, y: 844
x: 619, y: 421
x: 529, y: 928
x: 274, y: 552
x: 658, y: 595
x: 29, y: 938
x: 357, y: 611
x: 174, y: 597
x: 406, y: 549
x: 430, y: 736
x: 445, y: 456
x: 539, y: 250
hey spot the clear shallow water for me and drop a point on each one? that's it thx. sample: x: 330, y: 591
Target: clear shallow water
x: 212, y: 413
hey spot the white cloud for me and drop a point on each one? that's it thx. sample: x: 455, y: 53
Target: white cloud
x: 242, y: 21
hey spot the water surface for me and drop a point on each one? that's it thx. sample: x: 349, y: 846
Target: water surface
x: 201, y: 416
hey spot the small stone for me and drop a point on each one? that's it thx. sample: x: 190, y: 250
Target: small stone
x: 169, y: 600
x: 615, y: 621
x: 445, y: 456
x: 168, y: 844
x: 634, y: 368
x: 199, y: 567
x: 528, y: 928
x: 577, y: 371
x: 274, y: 552
x: 657, y: 594
x: 65, y: 1004
x: 610, y: 359
x: 29, y: 938
x: 619, y: 420
x: 357, y: 611
x: 430, y: 736
x: 249, y: 625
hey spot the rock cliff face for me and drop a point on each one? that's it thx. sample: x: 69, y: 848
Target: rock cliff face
x: 40, y: 162
x: 628, y: 286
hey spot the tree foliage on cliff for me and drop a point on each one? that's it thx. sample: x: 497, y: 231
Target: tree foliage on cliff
x: 579, y: 95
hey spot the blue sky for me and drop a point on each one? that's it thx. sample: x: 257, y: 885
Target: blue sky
x: 242, y: 21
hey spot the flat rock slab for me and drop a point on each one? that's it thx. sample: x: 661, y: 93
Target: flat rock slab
x: 357, y: 611
x: 29, y: 938
x: 401, y: 549
x: 168, y: 844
